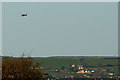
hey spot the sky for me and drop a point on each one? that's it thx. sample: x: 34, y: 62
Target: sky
x: 59, y: 0
x: 60, y: 29
x: 0, y: 28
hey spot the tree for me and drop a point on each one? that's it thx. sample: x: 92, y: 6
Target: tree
x: 62, y: 68
x: 21, y: 68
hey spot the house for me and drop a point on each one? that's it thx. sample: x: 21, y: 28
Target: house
x: 81, y: 71
x: 110, y: 74
x: 87, y: 71
x: 80, y: 67
x: 92, y: 71
x: 104, y: 70
x: 73, y: 65
x: 57, y: 70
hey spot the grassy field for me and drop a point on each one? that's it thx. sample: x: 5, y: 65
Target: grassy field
x: 53, y: 63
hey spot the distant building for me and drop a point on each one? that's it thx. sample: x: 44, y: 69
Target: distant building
x: 110, y: 74
x: 87, y: 71
x: 72, y: 65
x: 92, y: 71
x: 80, y: 67
x: 104, y: 70
x: 81, y: 71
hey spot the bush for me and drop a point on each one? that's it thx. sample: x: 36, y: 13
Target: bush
x: 21, y: 68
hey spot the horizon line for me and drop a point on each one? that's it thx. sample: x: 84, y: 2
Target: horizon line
x: 59, y: 0
x: 63, y: 56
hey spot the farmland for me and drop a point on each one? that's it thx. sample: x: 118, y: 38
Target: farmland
x: 101, y: 65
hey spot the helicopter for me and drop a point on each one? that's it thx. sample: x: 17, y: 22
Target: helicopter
x: 24, y: 14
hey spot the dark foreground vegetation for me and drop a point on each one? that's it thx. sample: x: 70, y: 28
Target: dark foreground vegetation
x: 21, y: 69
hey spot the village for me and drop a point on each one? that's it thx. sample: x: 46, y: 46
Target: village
x: 81, y: 72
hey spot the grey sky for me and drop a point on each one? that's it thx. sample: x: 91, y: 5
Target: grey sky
x: 0, y: 28
x: 59, y: 0
x: 53, y: 29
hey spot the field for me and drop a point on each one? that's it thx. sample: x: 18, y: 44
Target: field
x: 98, y: 64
